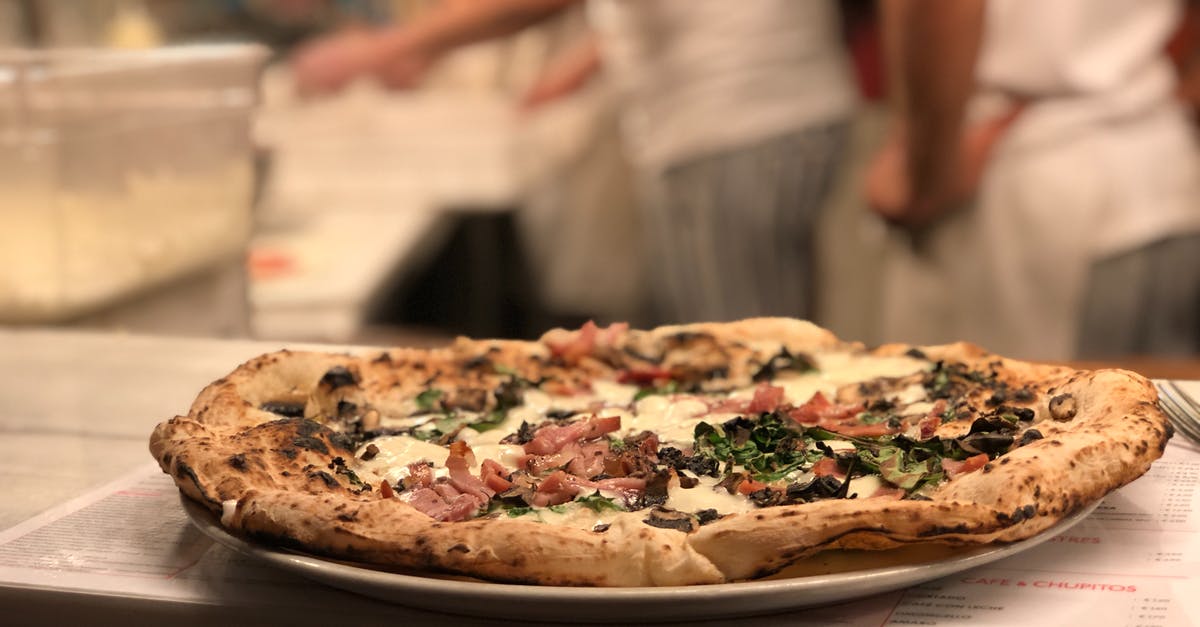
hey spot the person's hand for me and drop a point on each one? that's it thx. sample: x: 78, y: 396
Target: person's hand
x: 889, y: 185
x: 564, y: 76
x: 327, y: 65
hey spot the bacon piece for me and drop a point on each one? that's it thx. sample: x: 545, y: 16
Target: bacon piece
x: 818, y: 409
x: 767, y: 398
x: 427, y: 501
x: 956, y: 468
x: 750, y: 486
x: 552, y: 439
x: 644, y: 375
x: 557, y: 488
x: 494, y: 476
x: 590, y: 460
x: 579, y: 344
x: 572, y: 346
x: 420, y: 475
x: 826, y: 467
x: 459, y: 464
x: 888, y: 492
x: 929, y: 426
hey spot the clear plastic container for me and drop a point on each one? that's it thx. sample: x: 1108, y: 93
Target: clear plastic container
x: 120, y: 171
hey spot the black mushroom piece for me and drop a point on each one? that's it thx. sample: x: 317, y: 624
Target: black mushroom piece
x: 664, y: 518
x: 824, y: 487
x: 1062, y: 407
x: 337, y: 377
x: 993, y: 443
x: 284, y: 408
x: 782, y: 361
x: 1030, y: 436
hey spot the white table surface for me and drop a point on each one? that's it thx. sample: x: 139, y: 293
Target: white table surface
x: 77, y: 408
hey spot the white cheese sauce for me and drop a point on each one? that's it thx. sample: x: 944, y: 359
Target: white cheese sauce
x: 672, y: 417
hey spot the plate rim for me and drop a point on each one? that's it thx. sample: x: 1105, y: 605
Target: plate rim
x: 848, y: 585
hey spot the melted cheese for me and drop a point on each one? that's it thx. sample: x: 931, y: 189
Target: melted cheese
x: 864, y: 486
x: 706, y: 495
x: 398, y: 451
x: 672, y: 417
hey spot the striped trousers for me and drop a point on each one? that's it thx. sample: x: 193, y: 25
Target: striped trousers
x: 731, y: 235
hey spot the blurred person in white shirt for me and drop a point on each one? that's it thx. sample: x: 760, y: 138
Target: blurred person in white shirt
x: 736, y: 115
x: 1044, y: 176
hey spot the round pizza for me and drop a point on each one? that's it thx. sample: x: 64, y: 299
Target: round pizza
x: 694, y: 454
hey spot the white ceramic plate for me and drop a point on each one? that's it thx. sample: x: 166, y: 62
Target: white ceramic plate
x: 827, y: 578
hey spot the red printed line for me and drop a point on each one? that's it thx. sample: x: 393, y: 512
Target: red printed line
x: 1077, y: 572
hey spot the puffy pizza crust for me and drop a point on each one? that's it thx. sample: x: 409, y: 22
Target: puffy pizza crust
x: 281, y: 475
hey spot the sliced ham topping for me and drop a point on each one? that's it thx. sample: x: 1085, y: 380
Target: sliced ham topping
x: 956, y: 468
x: 767, y: 398
x: 551, y: 439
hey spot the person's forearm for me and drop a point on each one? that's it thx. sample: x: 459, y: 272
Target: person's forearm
x: 941, y: 44
x: 455, y: 24
x: 894, y: 26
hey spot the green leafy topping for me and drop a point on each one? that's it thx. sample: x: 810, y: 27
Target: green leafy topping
x: 616, y: 445
x: 490, y: 421
x: 898, y: 468
x: 767, y: 447
x: 868, y: 418
x: 670, y: 387
x: 427, y: 399
x: 514, y: 512
x: 598, y: 503
x: 503, y: 369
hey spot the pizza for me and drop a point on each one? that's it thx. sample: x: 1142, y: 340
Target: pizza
x: 693, y: 454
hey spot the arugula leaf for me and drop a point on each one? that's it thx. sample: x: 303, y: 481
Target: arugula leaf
x: 425, y: 400
x: 513, y: 512
x: 599, y: 503
x: 670, y: 387
x: 489, y: 422
x: 769, y: 448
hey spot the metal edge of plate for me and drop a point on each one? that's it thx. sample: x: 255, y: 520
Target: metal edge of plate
x: 558, y: 603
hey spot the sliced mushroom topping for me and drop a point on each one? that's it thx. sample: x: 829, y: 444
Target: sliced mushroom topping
x: 670, y: 519
x: 992, y: 443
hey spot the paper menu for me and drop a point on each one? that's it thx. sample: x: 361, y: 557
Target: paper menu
x: 1134, y: 562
